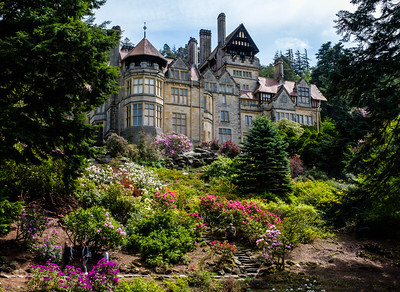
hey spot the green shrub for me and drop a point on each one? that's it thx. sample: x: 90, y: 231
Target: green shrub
x: 139, y: 284
x: 203, y: 279
x: 222, y: 167
x: 117, y: 145
x: 8, y: 214
x: 162, y: 237
x: 96, y: 226
x: 300, y: 222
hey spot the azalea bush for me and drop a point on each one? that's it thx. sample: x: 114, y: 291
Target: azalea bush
x: 32, y: 222
x: 102, y: 277
x: 165, y: 200
x: 172, y: 144
x: 95, y: 225
x: 49, y: 250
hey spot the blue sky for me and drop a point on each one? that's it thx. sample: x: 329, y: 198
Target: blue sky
x: 273, y: 24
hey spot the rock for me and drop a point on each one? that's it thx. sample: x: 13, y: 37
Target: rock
x: 5, y: 276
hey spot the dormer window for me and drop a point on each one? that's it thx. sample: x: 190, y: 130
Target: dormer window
x: 303, y: 95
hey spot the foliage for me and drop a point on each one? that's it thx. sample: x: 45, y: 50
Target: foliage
x: 222, y: 167
x: 96, y: 226
x: 43, y: 182
x: 139, y: 284
x: 164, y: 201
x: 8, y: 214
x: 45, y: 96
x: 203, y: 279
x: 172, y: 144
x: 49, y: 251
x: 229, y: 149
x: 377, y: 166
x: 173, y: 53
x: 301, y: 223
x: 222, y: 251
x: 116, y: 145
x: 296, y: 166
x: 263, y: 166
x: 223, y: 187
x: 372, y: 26
x: 162, y: 237
x: 248, y: 217
x: 211, y: 145
x: 325, y: 150
x: 31, y: 224
x: 275, y: 248
x: 102, y: 277
x: 95, y: 180
x: 290, y: 132
x: 321, y: 194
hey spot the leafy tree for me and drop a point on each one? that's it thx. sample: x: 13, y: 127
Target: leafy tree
x: 267, y: 71
x: 375, y: 87
x: 263, y: 166
x: 54, y: 70
x: 173, y: 53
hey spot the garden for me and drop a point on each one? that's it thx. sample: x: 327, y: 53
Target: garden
x: 164, y: 228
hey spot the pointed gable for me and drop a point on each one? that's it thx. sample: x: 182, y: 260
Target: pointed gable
x: 145, y: 50
x: 178, y: 63
x: 240, y: 41
x: 282, y: 99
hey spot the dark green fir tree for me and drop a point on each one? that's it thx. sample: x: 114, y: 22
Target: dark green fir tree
x: 263, y: 166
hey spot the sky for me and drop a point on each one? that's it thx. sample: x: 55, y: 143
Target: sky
x: 274, y: 25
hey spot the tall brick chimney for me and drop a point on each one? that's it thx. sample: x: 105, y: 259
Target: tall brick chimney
x: 205, y: 45
x: 192, y: 52
x: 221, y: 29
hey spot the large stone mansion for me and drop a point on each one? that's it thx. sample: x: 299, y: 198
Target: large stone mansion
x: 214, y: 94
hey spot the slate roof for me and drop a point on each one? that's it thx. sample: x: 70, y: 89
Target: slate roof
x: 145, y: 48
x: 270, y: 85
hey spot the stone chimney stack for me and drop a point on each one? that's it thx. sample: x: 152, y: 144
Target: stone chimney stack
x: 279, y: 70
x: 114, y: 54
x: 205, y: 45
x: 192, y: 52
x: 221, y: 29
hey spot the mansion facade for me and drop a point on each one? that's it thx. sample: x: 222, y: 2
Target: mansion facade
x: 214, y: 94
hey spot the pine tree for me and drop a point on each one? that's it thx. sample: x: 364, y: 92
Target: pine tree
x: 263, y: 166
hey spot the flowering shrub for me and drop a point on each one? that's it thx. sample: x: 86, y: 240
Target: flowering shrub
x: 249, y: 216
x: 199, y: 221
x: 165, y: 201
x: 49, y: 251
x: 103, y: 277
x: 95, y: 180
x: 274, y: 247
x: 172, y: 144
x: 229, y: 149
x: 32, y: 223
x: 95, y: 225
x: 222, y: 250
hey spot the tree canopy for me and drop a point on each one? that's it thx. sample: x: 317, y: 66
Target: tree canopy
x: 263, y: 166
x: 54, y: 70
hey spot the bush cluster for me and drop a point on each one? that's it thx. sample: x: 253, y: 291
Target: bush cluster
x: 172, y: 144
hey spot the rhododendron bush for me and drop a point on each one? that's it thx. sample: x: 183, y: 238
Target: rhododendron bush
x: 172, y: 144
x: 249, y: 217
x: 95, y: 225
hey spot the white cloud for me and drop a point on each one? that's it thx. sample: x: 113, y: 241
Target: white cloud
x: 291, y: 43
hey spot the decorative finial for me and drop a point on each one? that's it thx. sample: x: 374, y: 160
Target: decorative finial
x: 144, y: 28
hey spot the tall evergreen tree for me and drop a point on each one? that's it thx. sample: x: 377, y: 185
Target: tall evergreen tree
x: 55, y: 69
x: 263, y: 166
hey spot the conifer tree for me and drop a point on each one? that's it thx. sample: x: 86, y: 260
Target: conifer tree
x: 263, y: 166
